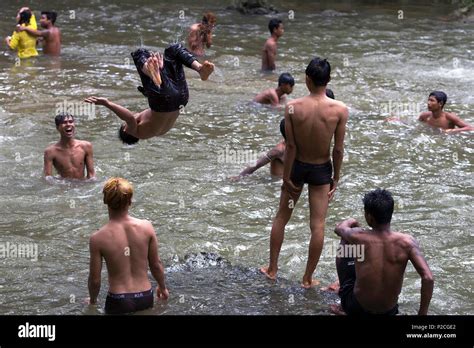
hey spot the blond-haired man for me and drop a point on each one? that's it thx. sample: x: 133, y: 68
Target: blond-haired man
x: 128, y: 246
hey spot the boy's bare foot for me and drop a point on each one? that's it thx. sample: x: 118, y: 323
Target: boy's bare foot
x: 308, y: 285
x: 152, y: 67
x: 334, y: 287
x: 207, y: 68
x: 337, y: 309
x: 270, y: 275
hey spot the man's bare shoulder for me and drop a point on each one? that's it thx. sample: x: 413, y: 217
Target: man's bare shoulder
x: 51, y: 149
x: 98, y: 235
x: 451, y: 116
x: 270, y: 43
x: 339, y: 106
x: 143, y: 224
x: 86, y: 145
x: 403, y: 240
x: 424, y: 116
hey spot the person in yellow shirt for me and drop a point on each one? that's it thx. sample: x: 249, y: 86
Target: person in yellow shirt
x: 24, y: 42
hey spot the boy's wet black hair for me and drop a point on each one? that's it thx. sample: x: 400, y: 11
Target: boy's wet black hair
x: 127, y: 138
x: 61, y: 117
x: 319, y: 71
x: 51, y: 15
x: 286, y: 78
x: 441, y: 97
x: 379, y: 204
x: 274, y: 24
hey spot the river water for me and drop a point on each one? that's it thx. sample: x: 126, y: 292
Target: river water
x: 382, y: 63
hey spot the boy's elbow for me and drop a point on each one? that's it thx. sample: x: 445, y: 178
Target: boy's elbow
x: 338, y: 151
x: 94, y: 282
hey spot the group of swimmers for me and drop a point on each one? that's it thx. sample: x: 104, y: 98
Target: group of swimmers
x: 129, y: 245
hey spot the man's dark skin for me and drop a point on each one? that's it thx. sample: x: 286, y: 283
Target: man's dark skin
x: 51, y: 36
x: 69, y: 156
x: 379, y: 277
x: 275, y: 157
x: 270, y: 49
x: 438, y: 118
x: 315, y: 116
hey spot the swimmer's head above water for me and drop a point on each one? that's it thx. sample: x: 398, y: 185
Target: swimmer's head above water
x: 24, y: 17
x: 318, y: 73
x: 118, y: 194
x: 437, y: 100
x: 65, y: 124
x: 286, y: 83
x: 127, y: 138
x: 276, y: 27
x: 47, y: 18
x: 378, y: 206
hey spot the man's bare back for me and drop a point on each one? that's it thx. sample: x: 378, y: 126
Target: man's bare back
x: 127, y: 257
x: 315, y: 117
x: 69, y: 161
x: 380, y: 276
x: 446, y: 121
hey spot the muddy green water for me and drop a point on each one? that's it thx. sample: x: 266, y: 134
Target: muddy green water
x: 181, y: 186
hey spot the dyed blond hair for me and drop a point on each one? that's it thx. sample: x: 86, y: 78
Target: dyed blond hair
x: 118, y: 193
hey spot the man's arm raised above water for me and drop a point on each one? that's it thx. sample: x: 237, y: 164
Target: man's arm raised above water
x: 156, y: 267
x: 458, y: 122
x: 427, y: 282
x: 338, y: 149
x: 348, y: 230
x: 95, y: 268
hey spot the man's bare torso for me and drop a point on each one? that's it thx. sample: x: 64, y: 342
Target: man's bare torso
x: 314, y: 121
x: 442, y: 122
x: 124, y: 246
x: 52, y: 43
x: 69, y: 161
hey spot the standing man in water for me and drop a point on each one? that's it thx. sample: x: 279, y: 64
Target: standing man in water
x: 51, y: 35
x: 129, y: 246
x: 269, y: 51
x: 371, y: 285
x: 310, y: 124
x: 165, y: 87
x: 277, y: 96
x: 436, y: 117
x: 275, y: 156
x: 200, y: 34
x: 69, y: 156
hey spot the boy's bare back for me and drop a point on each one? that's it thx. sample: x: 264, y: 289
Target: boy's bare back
x: 315, y: 120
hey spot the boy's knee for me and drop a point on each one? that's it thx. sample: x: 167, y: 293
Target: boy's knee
x: 317, y: 227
